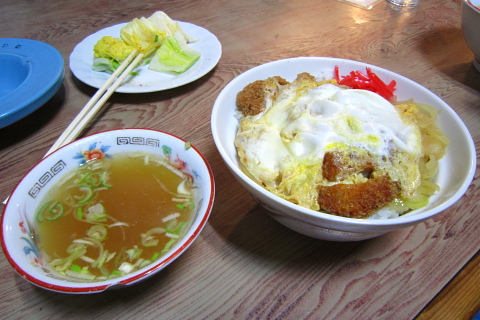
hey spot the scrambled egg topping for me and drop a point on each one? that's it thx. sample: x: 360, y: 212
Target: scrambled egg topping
x: 284, y: 143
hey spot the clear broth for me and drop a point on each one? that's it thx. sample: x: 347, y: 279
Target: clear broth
x: 136, y: 194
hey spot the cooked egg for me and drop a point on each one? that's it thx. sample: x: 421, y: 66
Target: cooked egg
x: 283, y: 146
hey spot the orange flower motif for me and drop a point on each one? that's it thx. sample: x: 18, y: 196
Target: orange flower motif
x: 180, y: 164
x: 93, y: 154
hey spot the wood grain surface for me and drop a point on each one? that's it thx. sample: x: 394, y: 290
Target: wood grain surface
x: 244, y: 265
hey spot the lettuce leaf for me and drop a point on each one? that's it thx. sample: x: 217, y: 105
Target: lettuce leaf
x: 174, y: 55
x: 143, y: 35
x: 163, y: 22
x: 158, y: 35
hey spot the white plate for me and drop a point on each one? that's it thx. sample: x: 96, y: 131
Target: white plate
x: 147, y: 80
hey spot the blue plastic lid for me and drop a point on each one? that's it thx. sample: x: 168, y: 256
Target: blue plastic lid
x: 31, y: 72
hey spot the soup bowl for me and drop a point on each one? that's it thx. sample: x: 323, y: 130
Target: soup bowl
x: 471, y: 28
x: 454, y: 173
x: 18, y: 220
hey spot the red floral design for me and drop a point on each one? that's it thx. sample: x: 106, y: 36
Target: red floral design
x: 22, y: 227
x: 180, y: 164
x: 94, y: 154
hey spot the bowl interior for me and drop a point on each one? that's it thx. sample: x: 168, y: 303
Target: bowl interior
x: 454, y: 176
x: 18, y: 216
x: 14, y: 72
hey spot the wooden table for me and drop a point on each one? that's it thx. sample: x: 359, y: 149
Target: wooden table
x: 244, y: 265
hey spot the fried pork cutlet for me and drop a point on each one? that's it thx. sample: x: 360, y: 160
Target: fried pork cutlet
x: 251, y: 100
x: 358, y: 200
x: 337, y: 165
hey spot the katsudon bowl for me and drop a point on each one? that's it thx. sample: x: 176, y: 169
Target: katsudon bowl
x: 471, y: 28
x: 164, y: 156
x: 454, y: 174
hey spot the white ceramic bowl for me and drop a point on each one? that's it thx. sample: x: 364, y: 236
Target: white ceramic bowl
x: 471, y: 28
x: 454, y: 176
x: 18, y: 214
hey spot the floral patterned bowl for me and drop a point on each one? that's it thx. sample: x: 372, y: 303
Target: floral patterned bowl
x: 18, y: 215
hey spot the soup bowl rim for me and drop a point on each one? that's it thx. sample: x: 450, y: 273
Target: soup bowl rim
x: 11, y: 218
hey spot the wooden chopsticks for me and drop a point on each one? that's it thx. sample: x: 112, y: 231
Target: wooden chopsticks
x: 97, y: 101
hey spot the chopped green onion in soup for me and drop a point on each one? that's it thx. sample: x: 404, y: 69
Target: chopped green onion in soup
x: 113, y: 216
